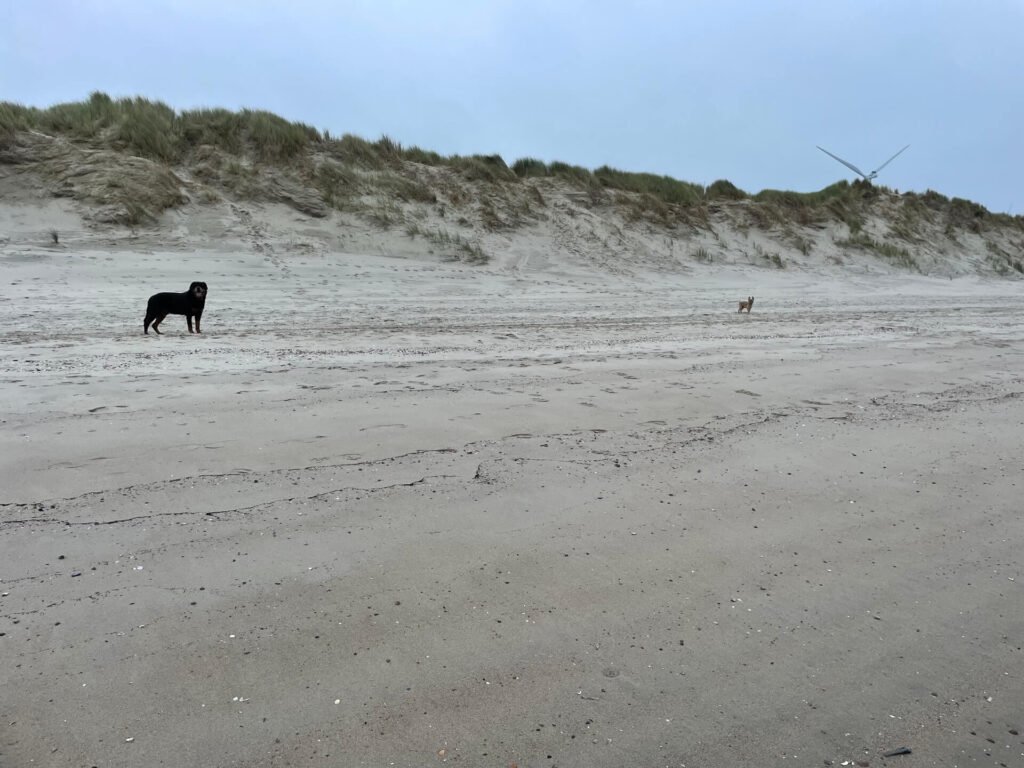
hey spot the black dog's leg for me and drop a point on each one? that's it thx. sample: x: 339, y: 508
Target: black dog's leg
x: 145, y: 325
x: 198, y: 317
x: 156, y: 323
x: 188, y: 319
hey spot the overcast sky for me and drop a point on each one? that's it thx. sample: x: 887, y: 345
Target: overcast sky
x: 697, y: 89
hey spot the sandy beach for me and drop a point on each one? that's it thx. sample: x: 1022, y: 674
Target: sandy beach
x: 392, y: 512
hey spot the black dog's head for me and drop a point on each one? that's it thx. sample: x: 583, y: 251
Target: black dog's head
x: 198, y: 290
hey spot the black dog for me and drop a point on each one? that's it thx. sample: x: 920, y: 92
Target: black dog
x: 190, y: 304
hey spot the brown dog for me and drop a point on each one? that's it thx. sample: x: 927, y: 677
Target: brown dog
x: 747, y: 304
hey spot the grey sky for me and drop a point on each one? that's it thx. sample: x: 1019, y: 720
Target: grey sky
x: 697, y: 89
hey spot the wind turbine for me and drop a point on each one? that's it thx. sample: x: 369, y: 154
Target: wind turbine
x: 858, y: 171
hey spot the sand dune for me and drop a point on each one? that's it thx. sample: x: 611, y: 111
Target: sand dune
x: 390, y: 510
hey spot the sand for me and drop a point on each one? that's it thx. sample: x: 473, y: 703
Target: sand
x: 389, y: 511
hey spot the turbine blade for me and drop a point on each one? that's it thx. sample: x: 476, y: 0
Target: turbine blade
x: 851, y: 166
x: 891, y: 159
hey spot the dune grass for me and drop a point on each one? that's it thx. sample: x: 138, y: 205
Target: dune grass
x: 455, y: 245
x: 893, y: 254
x: 530, y: 167
x: 154, y: 130
x: 664, y: 188
x: 723, y: 189
x: 229, y: 148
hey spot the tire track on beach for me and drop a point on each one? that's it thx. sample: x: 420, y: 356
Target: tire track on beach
x: 222, y: 512
x: 877, y: 407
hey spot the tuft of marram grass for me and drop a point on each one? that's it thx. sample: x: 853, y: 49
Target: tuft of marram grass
x: 458, y: 247
x: 664, y: 188
x: 154, y: 130
x: 529, y: 167
x: 488, y: 168
x: 895, y: 255
x: 723, y: 189
x: 703, y: 255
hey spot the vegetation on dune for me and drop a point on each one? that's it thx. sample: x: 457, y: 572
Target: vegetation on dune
x: 664, y: 188
x: 893, y: 254
x: 1002, y: 262
x: 154, y: 130
x: 129, y: 156
x: 841, y: 190
x: 490, y: 168
x: 724, y: 190
x: 455, y: 246
x: 530, y: 167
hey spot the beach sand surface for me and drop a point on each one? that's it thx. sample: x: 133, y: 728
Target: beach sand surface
x: 393, y: 512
